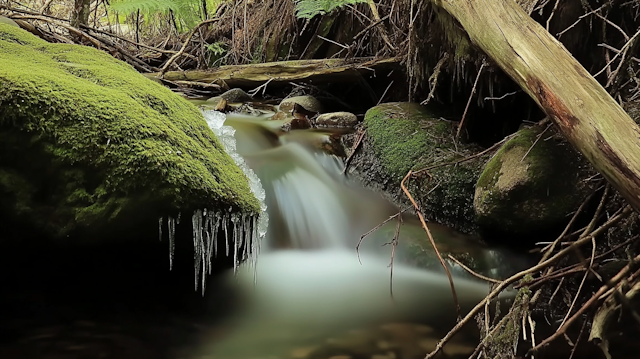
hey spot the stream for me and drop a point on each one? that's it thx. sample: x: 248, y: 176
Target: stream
x: 311, y: 294
x: 307, y: 295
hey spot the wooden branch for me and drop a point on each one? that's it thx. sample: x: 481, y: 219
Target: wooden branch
x: 613, y: 283
x: 382, y: 29
x: 164, y: 68
x: 581, y: 108
x: 284, y: 72
x: 538, y: 267
x: 433, y: 242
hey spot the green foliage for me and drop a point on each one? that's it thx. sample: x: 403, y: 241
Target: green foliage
x: 186, y: 12
x: 307, y: 9
x: 217, y: 52
x: 216, y: 49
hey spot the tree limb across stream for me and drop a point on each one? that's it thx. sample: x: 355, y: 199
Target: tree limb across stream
x: 280, y: 73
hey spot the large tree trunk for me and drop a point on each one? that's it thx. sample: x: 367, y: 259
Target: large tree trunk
x: 585, y: 113
x: 80, y: 14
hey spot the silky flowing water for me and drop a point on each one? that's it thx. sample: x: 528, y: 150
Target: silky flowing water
x: 304, y: 293
x: 311, y: 294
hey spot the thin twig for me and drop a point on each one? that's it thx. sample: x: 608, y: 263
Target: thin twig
x: 362, y: 237
x: 353, y: 151
x: 505, y: 283
x: 503, y: 96
x: 394, y: 245
x: 384, y: 93
x: 164, y: 68
x: 433, y: 242
x: 555, y: 7
x: 579, y: 19
x: 473, y: 90
x: 477, y: 275
x: 626, y: 45
x: 333, y: 42
x: 584, y: 278
x: 609, y: 285
x: 535, y: 142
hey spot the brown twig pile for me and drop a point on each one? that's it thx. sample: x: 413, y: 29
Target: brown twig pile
x: 561, y: 261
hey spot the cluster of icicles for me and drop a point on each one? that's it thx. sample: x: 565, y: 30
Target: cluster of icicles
x: 240, y: 232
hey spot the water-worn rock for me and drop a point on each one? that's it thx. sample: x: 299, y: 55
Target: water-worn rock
x: 310, y: 103
x: 337, y: 119
x: 85, y: 140
x: 527, y: 188
x: 406, y: 136
x: 236, y: 96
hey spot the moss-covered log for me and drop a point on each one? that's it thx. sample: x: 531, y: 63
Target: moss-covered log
x: 584, y: 112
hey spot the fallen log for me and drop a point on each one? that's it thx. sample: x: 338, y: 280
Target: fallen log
x: 281, y: 73
x: 584, y: 112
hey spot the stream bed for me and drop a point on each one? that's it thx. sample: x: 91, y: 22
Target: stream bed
x: 311, y: 295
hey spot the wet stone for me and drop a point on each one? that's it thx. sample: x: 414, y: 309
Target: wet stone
x: 337, y: 119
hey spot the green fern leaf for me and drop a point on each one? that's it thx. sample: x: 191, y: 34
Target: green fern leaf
x: 307, y: 9
x: 146, y: 6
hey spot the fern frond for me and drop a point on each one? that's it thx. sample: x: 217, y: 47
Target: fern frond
x: 147, y: 6
x: 307, y: 9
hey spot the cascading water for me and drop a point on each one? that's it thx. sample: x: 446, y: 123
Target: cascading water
x: 308, y: 276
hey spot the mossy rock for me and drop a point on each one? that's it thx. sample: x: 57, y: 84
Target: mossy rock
x: 407, y: 136
x: 85, y: 139
x: 527, y: 189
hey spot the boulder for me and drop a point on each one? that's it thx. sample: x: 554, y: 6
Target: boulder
x: 337, y: 119
x: 236, y: 96
x: 531, y: 185
x: 406, y: 136
x: 310, y: 103
x: 86, y: 141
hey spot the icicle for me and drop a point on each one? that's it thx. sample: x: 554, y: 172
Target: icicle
x: 225, y: 228
x: 171, y: 228
x: 246, y: 220
x: 255, y: 248
x: 206, y: 249
x: 215, y: 234
x: 160, y: 220
x: 206, y: 236
x: 196, y: 221
x: 235, y: 242
x: 240, y: 234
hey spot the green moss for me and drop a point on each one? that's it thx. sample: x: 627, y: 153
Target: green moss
x: 109, y: 135
x: 407, y: 136
x: 525, y: 187
x: 398, y: 138
x: 455, y: 36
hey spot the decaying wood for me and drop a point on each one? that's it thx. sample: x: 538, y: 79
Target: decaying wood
x: 281, y: 73
x: 581, y: 108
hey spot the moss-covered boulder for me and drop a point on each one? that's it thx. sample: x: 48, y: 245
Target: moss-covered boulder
x: 531, y: 185
x: 406, y: 136
x: 85, y: 140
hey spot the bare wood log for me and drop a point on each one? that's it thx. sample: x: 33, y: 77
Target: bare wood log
x: 284, y: 72
x: 581, y: 108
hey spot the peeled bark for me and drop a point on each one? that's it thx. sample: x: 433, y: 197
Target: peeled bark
x: 581, y: 108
